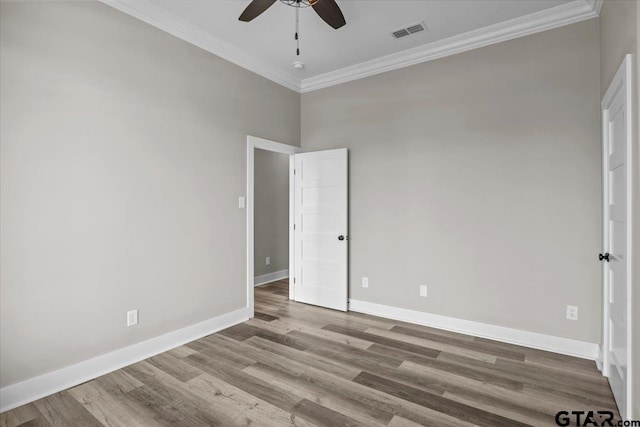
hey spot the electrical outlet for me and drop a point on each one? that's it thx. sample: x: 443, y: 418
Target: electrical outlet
x: 132, y: 317
x: 267, y: 261
x: 572, y: 312
x: 423, y: 290
x: 365, y: 282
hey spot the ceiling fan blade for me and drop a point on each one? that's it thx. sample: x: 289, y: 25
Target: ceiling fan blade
x: 330, y: 13
x: 255, y: 8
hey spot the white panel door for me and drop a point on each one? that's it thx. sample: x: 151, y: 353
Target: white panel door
x: 617, y: 222
x: 320, y: 230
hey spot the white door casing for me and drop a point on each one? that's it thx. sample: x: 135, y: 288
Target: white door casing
x: 320, y: 231
x: 616, y: 153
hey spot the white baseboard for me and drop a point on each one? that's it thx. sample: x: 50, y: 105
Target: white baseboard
x: 271, y: 277
x: 582, y: 349
x: 44, y: 385
x: 599, y: 359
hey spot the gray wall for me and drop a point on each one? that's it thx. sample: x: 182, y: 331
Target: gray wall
x: 618, y: 37
x: 479, y: 176
x: 122, y: 159
x: 271, y: 213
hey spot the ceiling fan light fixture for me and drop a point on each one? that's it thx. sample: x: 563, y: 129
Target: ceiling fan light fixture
x: 327, y: 10
x: 299, y: 3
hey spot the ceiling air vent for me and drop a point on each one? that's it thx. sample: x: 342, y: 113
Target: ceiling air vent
x: 401, y: 33
x: 407, y: 31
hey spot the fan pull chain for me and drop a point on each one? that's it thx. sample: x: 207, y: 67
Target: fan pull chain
x: 297, y: 31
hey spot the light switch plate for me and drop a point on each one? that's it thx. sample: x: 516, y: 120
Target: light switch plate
x: 241, y: 202
x: 132, y: 317
x: 423, y: 290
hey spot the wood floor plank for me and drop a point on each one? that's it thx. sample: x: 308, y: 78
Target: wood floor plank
x: 300, y: 365
x: 479, y: 371
x: 331, y: 348
x: 282, y: 398
x: 332, y: 399
x: 20, y: 415
x: 365, y: 396
x: 174, y: 367
x: 118, y: 382
x: 433, y: 345
x: 518, y: 416
x: 276, y: 326
x: 402, y: 422
x: 435, y: 402
x: 480, y: 394
x: 182, y: 351
x: 159, y: 410
x: 384, y: 340
x: 244, y: 408
x: 208, y: 347
x: 244, y: 331
x: 175, y: 391
x: 310, y: 359
x: 564, y: 398
x: 501, y: 352
x: 108, y: 408
x: 392, y: 322
x: 38, y: 422
x: 61, y: 409
x: 330, y: 335
x: 321, y: 416
x: 264, y: 316
x: 597, y: 389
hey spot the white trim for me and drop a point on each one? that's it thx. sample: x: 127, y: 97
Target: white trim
x: 585, y: 350
x: 292, y: 220
x: 599, y: 359
x: 270, y: 277
x: 624, y: 76
x: 564, y: 14
x: 32, y: 389
x: 263, y: 144
x: 596, y: 5
x: 157, y: 16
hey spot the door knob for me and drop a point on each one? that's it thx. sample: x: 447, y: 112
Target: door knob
x: 604, y: 257
x: 341, y: 237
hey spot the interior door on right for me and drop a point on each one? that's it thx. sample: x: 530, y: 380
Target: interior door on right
x: 320, y: 228
x: 617, y: 133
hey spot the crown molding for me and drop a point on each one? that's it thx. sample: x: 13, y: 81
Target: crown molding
x: 568, y: 13
x: 164, y: 20
x: 152, y: 14
x: 596, y: 5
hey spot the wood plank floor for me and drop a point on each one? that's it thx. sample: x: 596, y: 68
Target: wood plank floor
x: 300, y: 365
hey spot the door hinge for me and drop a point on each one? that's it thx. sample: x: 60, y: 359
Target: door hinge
x: 294, y: 226
x: 294, y: 171
x: 294, y: 280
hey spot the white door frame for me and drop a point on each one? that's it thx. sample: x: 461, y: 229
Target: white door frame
x: 276, y: 147
x: 622, y: 81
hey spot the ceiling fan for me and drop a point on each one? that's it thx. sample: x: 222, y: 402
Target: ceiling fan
x: 328, y: 10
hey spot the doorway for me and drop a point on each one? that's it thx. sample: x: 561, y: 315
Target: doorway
x: 271, y: 217
x: 317, y: 225
x: 253, y: 144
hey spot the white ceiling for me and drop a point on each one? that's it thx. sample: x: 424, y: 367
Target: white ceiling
x: 364, y: 46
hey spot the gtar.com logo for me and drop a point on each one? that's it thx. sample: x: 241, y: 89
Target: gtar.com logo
x: 591, y: 418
